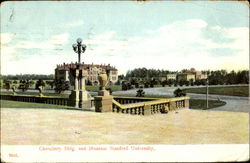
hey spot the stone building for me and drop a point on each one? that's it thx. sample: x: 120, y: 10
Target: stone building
x: 171, y: 76
x: 186, y: 76
x: 199, y: 75
x: 62, y: 72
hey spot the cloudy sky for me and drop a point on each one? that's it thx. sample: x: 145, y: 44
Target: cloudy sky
x: 35, y: 36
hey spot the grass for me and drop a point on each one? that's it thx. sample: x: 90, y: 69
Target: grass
x: 18, y: 104
x: 37, y: 94
x: 229, y: 91
x: 201, y: 104
x: 96, y: 88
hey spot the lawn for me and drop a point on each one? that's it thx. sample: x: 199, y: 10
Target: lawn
x: 18, y: 104
x: 230, y: 91
x: 62, y: 95
x: 96, y: 88
x: 201, y: 104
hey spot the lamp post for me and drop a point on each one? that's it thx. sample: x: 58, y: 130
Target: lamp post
x: 79, y: 48
x: 207, y: 92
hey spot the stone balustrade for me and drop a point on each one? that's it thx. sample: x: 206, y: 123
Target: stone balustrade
x: 45, y: 100
x: 156, y: 105
x: 129, y: 100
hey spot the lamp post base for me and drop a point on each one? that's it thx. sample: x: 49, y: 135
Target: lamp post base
x: 74, y: 99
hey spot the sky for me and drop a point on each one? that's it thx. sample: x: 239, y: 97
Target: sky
x: 169, y: 35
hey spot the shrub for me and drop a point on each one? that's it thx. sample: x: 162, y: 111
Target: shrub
x: 140, y: 92
x: 179, y: 93
x: 61, y: 86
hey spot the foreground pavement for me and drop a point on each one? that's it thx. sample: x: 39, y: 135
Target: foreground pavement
x: 53, y: 126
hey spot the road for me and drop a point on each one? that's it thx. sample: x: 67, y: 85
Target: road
x: 234, y: 103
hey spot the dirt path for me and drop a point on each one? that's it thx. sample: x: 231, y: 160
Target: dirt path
x: 51, y: 126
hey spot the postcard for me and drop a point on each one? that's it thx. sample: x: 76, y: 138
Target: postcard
x: 124, y: 81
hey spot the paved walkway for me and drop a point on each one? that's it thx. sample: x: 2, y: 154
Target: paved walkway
x: 57, y: 126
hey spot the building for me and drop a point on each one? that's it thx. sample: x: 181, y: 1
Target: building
x: 62, y: 72
x: 192, y: 74
x: 199, y: 75
x: 186, y: 76
x: 171, y: 76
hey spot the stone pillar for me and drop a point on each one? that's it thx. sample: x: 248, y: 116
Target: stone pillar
x: 103, y: 103
x: 172, y: 105
x: 186, y: 103
x: 84, y: 101
x: 74, y: 96
x: 147, y: 109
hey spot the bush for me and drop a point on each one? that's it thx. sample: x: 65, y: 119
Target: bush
x: 61, y: 86
x: 7, y: 84
x: 179, y: 92
x: 140, y: 93
x: 24, y: 85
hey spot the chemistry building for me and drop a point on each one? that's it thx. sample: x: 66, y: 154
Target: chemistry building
x: 62, y: 72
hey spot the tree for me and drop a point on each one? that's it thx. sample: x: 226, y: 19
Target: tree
x: 7, y: 84
x: 182, y: 82
x: 40, y: 84
x: 24, y: 85
x: 179, y: 92
x: 186, y: 83
x: 146, y: 84
x: 192, y: 82
x: 164, y: 82
x: 197, y: 82
x: 61, y: 86
x: 124, y: 86
x: 51, y: 83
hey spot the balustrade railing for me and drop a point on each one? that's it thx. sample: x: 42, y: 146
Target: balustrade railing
x: 129, y: 100
x: 46, y: 100
x: 150, y: 107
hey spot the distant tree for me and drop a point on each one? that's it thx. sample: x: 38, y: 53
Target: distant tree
x: 182, y: 82
x: 61, y: 86
x: 7, y: 84
x: 203, y: 81
x: 146, y: 84
x: 179, y: 93
x: 23, y: 85
x: 28, y: 77
x: 186, y: 83
x: 40, y: 85
x: 164, y: 82
x: 197, y: 82
x: 136, y: 84
x: 51, y: 83
x: 192, y: 82
x: 124, y: 86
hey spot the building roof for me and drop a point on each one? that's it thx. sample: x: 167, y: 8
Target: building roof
x: 84, y: 66
x: 187, y: 73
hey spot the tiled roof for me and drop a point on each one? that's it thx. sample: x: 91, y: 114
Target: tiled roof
x: 84, y: 66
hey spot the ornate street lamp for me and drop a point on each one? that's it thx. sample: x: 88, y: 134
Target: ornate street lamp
x: 79, y: 48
